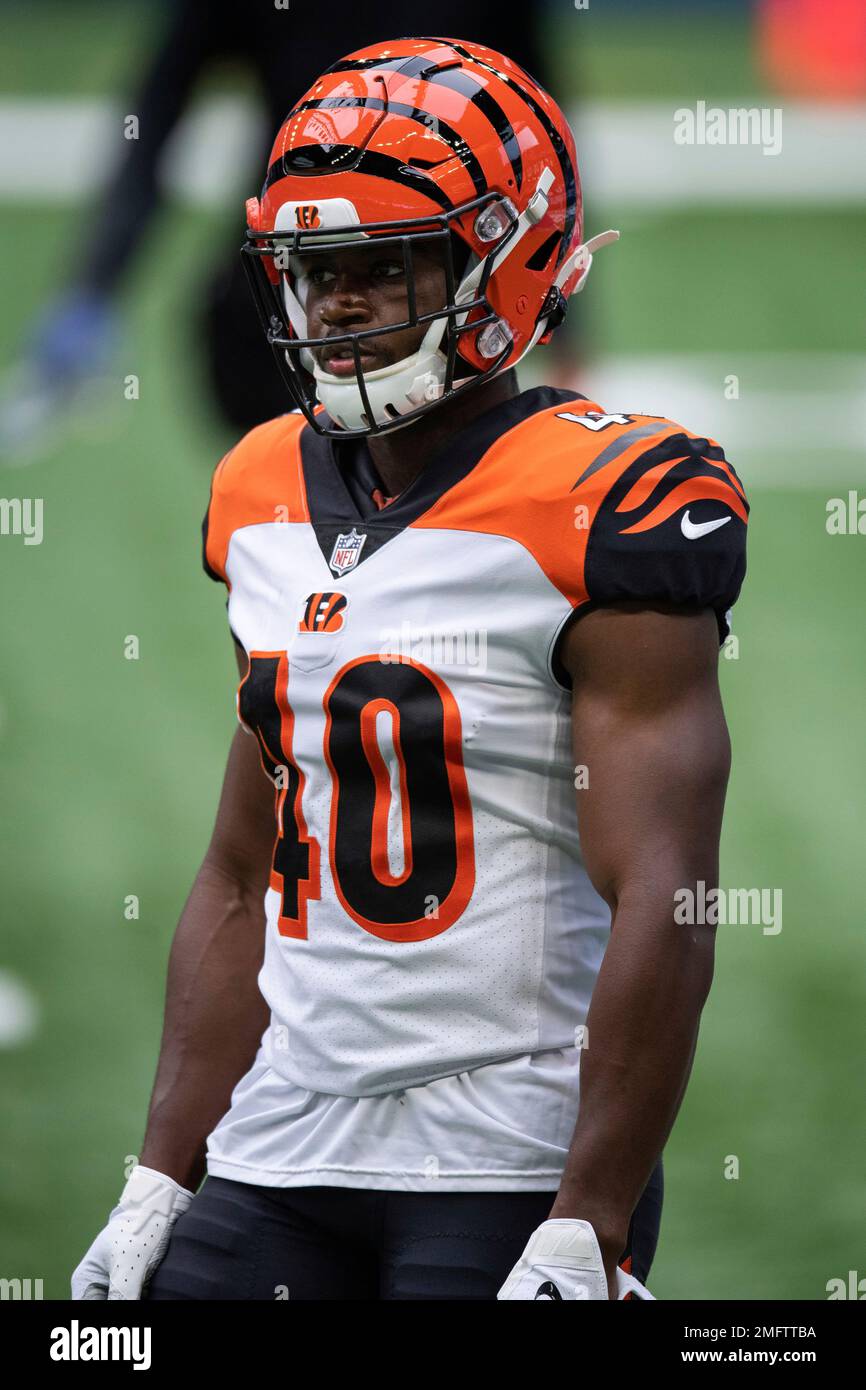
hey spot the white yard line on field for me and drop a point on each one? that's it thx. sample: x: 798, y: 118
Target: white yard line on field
x: 19, y: 1014
x: 628, y: 156
x: 59, y: 150
x: 799, y: 420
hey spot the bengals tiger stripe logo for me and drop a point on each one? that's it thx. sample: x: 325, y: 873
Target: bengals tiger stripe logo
x: 323, y: 612
x: 307, y: 216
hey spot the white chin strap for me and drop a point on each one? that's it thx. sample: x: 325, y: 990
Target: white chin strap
x: 420, y: 378
x: 580, y: 258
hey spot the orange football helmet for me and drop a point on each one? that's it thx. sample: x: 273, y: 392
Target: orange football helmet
x: 415, y: 142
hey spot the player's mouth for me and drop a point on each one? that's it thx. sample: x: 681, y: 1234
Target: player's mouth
x: 340, y: 360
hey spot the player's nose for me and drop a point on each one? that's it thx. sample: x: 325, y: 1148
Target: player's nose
x: 345, y: 300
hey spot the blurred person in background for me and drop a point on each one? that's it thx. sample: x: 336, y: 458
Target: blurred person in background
x: 75, y: 337
x: 812, y: 48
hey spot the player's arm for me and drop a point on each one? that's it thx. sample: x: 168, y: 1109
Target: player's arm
x: 651, y: 551
x: 214, y: 1019
x: 214, y: 1012
x: 649, y: 727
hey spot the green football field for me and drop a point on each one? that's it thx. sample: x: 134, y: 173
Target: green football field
x: 110, y: 768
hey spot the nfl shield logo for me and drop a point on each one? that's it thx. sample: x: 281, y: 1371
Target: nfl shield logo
x: 347, y: 551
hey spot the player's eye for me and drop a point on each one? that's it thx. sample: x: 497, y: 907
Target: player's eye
x: 318, y: 274
x: 388, y: 270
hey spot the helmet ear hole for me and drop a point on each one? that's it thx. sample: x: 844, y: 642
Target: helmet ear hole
x: 540, y: 257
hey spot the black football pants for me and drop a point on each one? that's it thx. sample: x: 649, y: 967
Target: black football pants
x: 238, y: 1241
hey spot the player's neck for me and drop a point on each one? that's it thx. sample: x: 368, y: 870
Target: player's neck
x: 401, y: 456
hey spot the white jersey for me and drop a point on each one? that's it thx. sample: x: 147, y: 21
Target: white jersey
x: 499, y: 1128
x: 429, y: 912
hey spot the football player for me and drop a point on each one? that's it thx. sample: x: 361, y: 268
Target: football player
x: 481, y: 747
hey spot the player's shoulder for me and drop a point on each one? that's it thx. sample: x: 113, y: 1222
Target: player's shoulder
x: 258, y: 454
x: 585, y: 447
x: 621, y: 505
x: 257, y: 481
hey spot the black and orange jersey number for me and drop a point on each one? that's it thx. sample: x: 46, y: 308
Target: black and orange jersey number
x: 434, y: 882
x: 263, y: 706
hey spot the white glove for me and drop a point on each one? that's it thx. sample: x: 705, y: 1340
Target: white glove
x: 125, y: 1254
x: 563, y: 1261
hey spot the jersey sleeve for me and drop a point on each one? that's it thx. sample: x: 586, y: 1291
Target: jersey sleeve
x: 668, y: 527
x: 212, y: 556
x: 257, y: 481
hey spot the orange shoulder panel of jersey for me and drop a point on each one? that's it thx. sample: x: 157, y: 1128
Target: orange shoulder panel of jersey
x: 545, y: 480
x: 259, y: 480
x: 542, y: 483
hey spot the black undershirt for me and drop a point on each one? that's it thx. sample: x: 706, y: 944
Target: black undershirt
x: 360, y: 475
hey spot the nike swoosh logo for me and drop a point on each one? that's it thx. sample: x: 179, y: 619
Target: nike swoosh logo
x: 692, y: 529
x: 548, y: 1292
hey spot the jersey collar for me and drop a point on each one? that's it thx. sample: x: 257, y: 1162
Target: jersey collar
x: 333, y: 509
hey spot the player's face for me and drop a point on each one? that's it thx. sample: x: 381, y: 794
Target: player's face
x: 351, y: 288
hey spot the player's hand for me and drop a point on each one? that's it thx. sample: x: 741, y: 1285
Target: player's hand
x: 563, y: 1261
x: 125, y: 1254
